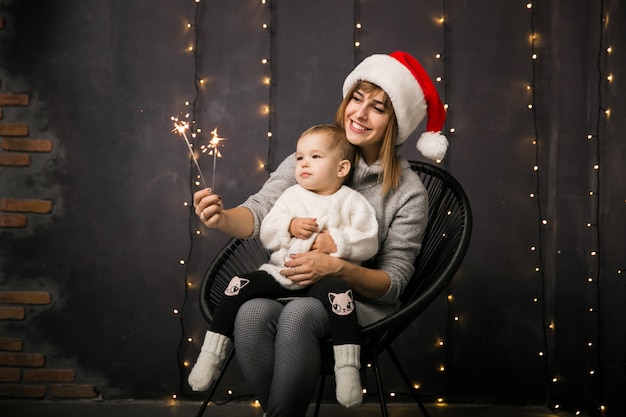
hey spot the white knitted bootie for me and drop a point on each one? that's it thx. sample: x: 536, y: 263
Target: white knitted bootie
x: 349, y: 390
x: 210, y: 360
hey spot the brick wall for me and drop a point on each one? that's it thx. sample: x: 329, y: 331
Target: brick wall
x: 26, y: 374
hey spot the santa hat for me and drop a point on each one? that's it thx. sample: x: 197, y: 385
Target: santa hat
x: 412, y: 94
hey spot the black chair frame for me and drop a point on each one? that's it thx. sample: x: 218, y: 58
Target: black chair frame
x: 444, y: 245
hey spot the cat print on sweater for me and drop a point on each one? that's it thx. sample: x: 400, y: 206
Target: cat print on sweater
x: 342, y: 303
x: 235, y: 285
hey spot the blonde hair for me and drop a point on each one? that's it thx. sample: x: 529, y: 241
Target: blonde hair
x: 391, y: 171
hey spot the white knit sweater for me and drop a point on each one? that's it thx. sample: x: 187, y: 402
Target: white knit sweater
x: 346, y: 214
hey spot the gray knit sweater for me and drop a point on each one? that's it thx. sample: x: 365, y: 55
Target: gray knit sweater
x: 401, y: 214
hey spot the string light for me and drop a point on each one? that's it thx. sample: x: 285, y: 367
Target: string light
x: 268, y: 67
x: 194, y: 182
x: 537, y: 249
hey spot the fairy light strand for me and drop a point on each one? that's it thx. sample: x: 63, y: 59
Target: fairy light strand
x: 595, y: 371
x: 183, y: 342
x: 356, y: 13
x: 271, y: 90
x: 546, y: 325
x: 452, y: 318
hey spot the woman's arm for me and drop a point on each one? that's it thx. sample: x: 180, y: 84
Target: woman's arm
x: 244, y: 221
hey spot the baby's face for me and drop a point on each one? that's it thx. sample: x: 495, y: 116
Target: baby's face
x: 317, y: 164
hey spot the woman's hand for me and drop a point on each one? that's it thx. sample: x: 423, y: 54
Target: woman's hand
x: 309, y: 267
x: 208, y: 207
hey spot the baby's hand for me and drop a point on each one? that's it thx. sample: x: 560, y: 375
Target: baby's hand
x: 302, y: 228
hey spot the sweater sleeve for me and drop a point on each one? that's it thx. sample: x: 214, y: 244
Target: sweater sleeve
x: 356, y: 237
x: 402, y: 243
x: 261, y: 202
x: 274, y: 230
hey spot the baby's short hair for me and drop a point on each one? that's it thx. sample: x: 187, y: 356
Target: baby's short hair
x: 338, y: 140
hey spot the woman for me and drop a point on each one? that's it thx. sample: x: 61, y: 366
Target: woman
x: 278, y: 345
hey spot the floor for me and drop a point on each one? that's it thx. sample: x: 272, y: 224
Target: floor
x: 189, y: 409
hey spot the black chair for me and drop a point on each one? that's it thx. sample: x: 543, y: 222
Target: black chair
x: 444, y: 245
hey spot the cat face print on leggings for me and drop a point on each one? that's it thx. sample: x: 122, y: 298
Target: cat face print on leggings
x: 342, y: 303
x: 235, y: 285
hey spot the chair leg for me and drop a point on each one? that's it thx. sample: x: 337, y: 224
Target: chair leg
x: 213, y: 387
x: 379, y: 384
x: 320, y: 394
x: 416, y: 397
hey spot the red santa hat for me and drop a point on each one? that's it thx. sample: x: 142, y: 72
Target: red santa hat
x: 412, y: 94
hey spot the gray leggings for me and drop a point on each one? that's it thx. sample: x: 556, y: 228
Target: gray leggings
x: 278, y: 350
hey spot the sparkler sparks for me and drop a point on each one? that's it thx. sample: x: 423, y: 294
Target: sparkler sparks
x: 212, y: 149
x: 181, y: 127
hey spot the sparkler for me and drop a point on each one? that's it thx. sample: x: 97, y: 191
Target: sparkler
x: 181, y: 127
x: 212, y: 149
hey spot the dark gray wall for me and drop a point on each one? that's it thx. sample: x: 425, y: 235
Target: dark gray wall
x: 105, y: 76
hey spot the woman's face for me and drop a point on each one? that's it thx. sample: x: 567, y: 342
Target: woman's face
x: 365, y: 121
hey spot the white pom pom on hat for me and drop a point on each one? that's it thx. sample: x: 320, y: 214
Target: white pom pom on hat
x: 412, y: 94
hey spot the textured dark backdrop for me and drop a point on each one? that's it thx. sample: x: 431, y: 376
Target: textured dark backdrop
x: 104, y: 78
